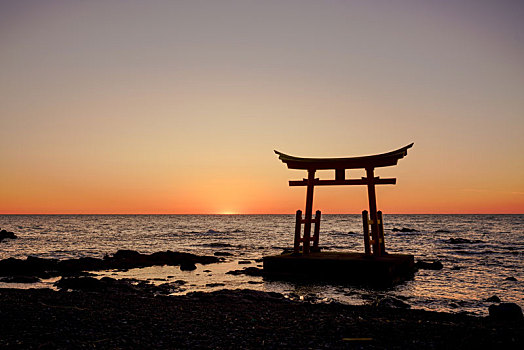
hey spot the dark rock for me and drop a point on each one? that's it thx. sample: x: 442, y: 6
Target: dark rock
x: 404, y: 229
x: 126, y: 254
x: 187, y: 266
x: 212, y: 285
x: 121, y: 260
x: 493, y: 299
x: 111, y: 285
x: 80, y: 264
x: 217, y: 245
x: 222, y: 254
x: 20, y: 279
x: 249, y: 271
x: 6, y: 234
x: 31, y: 266
x: 83, y: 283
x: 463, y: 241
x: 391, y: 303
x: 165, y: 288
x: 511, y: 278
x: 506, y: 312
x: 426, y: 265
x: 253, y: 271
x: 245, y: 262
x: 456, y: 268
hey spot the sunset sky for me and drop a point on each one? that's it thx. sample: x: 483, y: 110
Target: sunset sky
x: 176, y: 106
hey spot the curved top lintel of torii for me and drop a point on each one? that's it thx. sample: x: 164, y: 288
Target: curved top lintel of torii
x: 365, y: 162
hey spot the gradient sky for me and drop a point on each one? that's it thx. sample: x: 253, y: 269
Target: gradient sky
x: 176, y: 106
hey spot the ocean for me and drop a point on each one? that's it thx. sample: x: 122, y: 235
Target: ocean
x: 482, y: 255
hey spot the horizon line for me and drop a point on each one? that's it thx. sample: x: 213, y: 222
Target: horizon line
x: 232, y: 214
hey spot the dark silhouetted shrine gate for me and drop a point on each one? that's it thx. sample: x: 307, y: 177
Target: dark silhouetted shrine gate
x: 340, y: 165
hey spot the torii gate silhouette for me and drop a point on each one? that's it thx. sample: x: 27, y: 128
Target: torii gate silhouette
x: 369, y: 163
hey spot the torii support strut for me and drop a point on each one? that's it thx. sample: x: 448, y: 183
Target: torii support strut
x: 369, y: 163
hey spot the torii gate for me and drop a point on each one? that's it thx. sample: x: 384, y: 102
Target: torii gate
x: 369, y: 163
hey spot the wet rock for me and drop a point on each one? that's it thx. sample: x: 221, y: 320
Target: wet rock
x: 217, y: 244
x: 463, y: 241
x: 404, y: 229
x: 212, y: 285
x: 222, y: 254
x: 6, y: 234
x: 165, y: 288
x: 83, y: 283
x: 493, y: 299
x: 111, y: 285
x: 81, y: 264
x: 20, y: 279
x: 509, y: 312
x: 31, y: 266
x: 249, y: 271
x: 391, y: 303
x: 125, y: 254
x: 429, y: 265
x: 187, y: 266
x: 511, y: 278
x: 121, y: 260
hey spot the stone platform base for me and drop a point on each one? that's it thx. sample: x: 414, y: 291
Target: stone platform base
x: 341, y: 266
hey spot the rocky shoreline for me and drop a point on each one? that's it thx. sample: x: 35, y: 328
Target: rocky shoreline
x: 121, y: 260
x: 232, y: 319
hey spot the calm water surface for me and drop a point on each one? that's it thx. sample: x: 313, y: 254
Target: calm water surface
x: 472, y: 271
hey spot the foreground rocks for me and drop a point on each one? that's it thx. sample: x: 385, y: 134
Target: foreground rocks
x: 233, y: 319
x: 121, y: 286
x: 508, y: 312
x: 122, y: 259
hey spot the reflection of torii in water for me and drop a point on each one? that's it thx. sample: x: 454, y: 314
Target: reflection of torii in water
x: 369, y: 163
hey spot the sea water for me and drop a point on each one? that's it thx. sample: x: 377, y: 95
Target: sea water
x: 489, y: 261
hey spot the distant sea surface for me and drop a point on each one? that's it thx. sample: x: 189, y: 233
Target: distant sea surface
x: 489, y: 261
